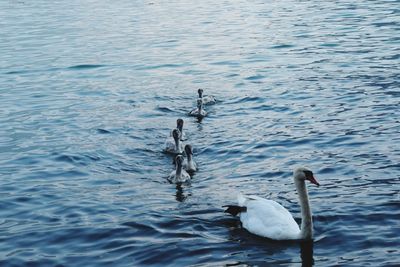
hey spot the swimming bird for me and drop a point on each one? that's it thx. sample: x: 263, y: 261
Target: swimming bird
x: 198, y: 112
x: 268, y: 218
x: 189, y: 165
x: 179, y: 126
x: 208, y: 99
x: 173, y: 145
x: 179, y: 175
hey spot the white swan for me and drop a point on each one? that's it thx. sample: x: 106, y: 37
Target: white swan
x: 198, y: 112
x: 208, y: 99
x: 189, y: 165
x: 173, y: 145
x: 269, y: 219
x: 179, y: 126
x: 179, y: 175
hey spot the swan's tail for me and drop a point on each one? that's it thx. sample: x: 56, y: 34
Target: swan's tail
x: 234, y: 210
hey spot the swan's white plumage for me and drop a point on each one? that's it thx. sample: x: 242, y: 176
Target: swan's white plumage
x: 267, y: 218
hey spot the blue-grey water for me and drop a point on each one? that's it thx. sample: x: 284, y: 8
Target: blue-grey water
x: 89, y: 90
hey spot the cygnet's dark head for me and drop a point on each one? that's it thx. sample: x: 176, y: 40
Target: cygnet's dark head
x: 176, y: 134
x: 200, y: 91
x: 303, y: 173
x: 188, y: 149
x: 179, y: 160
x: 179, y: 124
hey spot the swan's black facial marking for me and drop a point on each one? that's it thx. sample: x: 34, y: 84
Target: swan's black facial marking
x: 310, y: 177
x: 309, y: 174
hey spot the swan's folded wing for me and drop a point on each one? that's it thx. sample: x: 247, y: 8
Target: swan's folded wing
x: 169, y: 144
x: 172, y: 176
x: 268, y: 218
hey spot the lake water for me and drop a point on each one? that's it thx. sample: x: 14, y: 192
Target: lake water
x: 89, y: 90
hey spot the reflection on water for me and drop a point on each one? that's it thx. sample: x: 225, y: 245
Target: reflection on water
x: 268, y: 247
x: 180, y: 195
x: 307, y: 253
x: 199, y: 119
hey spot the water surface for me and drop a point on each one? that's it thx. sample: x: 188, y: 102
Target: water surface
x: 91, y: 89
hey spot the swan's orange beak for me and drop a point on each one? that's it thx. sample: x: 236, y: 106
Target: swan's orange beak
x: 313, y: 180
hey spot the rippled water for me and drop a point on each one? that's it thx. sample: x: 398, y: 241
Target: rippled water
x: 90, y: 90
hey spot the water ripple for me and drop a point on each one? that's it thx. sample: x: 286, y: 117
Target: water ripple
x: 90, y: 90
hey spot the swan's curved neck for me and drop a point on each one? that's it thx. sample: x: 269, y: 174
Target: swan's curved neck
x: 177, y: 144
x: 306, y: 229
x: 178, y: 170
x: 180, y: 128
